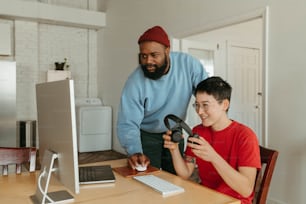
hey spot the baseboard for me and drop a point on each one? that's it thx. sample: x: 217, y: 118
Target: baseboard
x: 275, y: 201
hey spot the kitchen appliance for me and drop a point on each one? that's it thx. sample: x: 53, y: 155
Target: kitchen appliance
x: 94, y: 125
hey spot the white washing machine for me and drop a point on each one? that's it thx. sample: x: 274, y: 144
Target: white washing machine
x: 94, y: 125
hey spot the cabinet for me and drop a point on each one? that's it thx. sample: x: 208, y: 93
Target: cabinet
x: 5, y: 39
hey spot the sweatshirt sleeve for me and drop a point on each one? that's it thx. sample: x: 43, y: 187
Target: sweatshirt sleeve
x: 130, y: 115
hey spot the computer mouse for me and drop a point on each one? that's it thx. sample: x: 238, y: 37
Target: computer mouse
x: 140, y: 168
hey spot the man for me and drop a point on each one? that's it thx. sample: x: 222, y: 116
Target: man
x: 163, y: 83
x: 226, y: 152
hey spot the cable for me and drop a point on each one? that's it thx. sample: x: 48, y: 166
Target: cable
x: 45, y: 195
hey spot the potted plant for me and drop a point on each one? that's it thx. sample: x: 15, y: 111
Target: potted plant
x: 61, y: 65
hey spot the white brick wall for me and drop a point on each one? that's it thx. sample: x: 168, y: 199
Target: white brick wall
x: 59, y: 42
x: 37, y: 46
x: 92, y: 56
x: 26, y: 56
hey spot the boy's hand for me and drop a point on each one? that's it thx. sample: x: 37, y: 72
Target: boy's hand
x: 168, y: 143
x: 202, y: 149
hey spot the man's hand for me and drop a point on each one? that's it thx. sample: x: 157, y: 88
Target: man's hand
x: 138, y: 159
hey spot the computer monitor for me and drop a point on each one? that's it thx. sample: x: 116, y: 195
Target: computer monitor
x: 56, y: 121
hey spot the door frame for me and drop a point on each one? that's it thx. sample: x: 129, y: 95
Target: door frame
x: 259, y: 13
x: 192, y: 117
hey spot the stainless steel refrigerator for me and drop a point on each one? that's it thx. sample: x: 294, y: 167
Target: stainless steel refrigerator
x: 8, y: 136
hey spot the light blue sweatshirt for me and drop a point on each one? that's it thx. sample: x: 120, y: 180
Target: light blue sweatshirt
x: 145, y: 102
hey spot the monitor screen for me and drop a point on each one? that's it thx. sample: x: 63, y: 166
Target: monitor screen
x: 57, y: 129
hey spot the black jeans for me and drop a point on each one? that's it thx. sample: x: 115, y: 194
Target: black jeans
x: 160, y: 157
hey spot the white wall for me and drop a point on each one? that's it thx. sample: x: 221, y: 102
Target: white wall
x: 245, y: 32
x: 286, y: 71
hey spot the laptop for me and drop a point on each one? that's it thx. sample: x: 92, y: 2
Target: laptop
x: 96, y: 174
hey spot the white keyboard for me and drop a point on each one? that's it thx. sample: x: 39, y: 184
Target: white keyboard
x: 160, y: 185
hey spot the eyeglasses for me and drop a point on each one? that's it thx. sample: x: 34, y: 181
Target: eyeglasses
x: 204, y: 106
x: 198, y: 106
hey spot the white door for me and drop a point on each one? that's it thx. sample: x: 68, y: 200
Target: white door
x: 240, y: 65
x: 244, y: 75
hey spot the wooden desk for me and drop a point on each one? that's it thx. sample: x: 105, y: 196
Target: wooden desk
x: 18, y: 188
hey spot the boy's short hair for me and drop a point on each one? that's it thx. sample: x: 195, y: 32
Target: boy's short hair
x: 216, y: 87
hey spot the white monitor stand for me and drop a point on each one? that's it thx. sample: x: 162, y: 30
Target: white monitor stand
x: 42, y: 195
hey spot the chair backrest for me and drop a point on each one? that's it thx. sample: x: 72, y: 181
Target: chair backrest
x: 17, y: 156
x: 264, y: 175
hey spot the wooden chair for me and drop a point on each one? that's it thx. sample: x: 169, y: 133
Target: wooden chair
x: 17, y: 156
x: 264, y: 175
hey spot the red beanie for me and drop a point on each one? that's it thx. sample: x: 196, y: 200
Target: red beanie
x: 156, y: 34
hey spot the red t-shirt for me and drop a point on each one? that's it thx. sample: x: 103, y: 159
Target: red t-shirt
x: 238, y: 145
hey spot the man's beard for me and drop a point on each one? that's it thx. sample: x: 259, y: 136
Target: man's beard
x: 159, y: 70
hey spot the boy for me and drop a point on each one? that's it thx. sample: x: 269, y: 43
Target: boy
x: 226, y: 153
